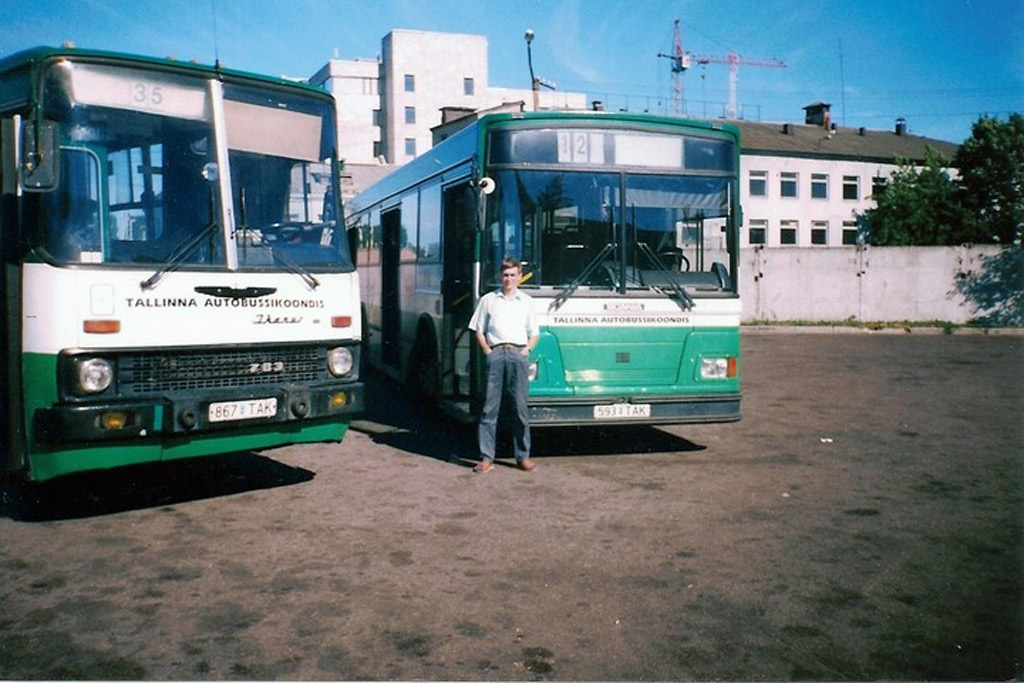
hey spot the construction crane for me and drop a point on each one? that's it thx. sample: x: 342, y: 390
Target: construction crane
x: 680, y: 63
x: 682, y: 60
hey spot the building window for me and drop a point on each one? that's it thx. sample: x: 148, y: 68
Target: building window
x: 878, y: 185
x: 377, y: 149
x: 850, y: 233
x: 819, y: 186
x: 410, y: 147
x: 851, y: 187
x: 757, y: 231
x: 819, y: 233
x: 468, y: 88
x: 787, y: 232
x: 758, y: 183
x: 410, y: 114
x: 788, y: 186
x: 376, y: 117
x: 410, y: 83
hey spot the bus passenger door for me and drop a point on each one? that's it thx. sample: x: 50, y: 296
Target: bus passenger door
x: 459, y: 226
x: 12, y: 426
x: 390, y: 313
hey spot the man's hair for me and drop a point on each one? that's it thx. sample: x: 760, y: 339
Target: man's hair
x: 509, y: 262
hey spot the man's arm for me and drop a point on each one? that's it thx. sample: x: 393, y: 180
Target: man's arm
x: 531, y: 344
x: 481, y: 340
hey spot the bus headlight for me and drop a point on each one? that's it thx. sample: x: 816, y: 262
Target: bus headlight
x: 339, y: 361
x: 94, y: 375
x: 534, y: 369
x: 718, y: 368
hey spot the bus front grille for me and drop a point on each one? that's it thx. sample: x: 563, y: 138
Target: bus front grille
x: 196, y: 370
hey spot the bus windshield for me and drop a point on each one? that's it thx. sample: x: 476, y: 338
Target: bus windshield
x: 281, y: 184
x: 140, y: 169
x: 615, y: 230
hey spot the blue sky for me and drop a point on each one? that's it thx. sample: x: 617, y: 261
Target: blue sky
x: 939, y: 63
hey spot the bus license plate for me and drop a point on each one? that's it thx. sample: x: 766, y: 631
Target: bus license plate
x: 618, y: 411
x: 242, y: 410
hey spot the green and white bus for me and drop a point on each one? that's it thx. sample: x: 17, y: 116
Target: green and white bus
x: 627, y: 228
x: 176, y: 280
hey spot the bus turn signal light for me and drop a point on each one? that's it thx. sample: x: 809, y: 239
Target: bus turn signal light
x: 115, y: 419
x: 102, y: 326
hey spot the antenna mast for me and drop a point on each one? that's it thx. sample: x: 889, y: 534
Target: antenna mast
x: 216, y: 47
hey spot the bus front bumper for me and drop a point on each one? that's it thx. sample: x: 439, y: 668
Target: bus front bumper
x: 180, y: 415
x: 695, y: 409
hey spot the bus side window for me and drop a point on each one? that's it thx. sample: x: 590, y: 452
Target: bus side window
x: 73, y: 231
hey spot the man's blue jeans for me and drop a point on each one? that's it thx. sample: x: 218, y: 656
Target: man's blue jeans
x: 507, y: 373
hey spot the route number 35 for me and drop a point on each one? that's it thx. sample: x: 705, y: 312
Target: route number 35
x: 147, y: 95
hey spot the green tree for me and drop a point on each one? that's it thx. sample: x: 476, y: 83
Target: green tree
x: 991, y: 164
x: 920, y: 207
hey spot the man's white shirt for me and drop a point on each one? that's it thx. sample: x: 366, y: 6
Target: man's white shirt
x: 505, y: 320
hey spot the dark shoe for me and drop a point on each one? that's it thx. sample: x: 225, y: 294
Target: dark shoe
x: 527, y: 465
x: 483, y: 466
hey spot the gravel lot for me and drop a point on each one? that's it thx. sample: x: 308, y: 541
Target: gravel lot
x: 863, y: 521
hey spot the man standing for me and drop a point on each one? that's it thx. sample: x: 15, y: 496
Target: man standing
x: 506, y: 330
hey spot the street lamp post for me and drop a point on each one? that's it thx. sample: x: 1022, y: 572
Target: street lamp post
x: 534, y: 81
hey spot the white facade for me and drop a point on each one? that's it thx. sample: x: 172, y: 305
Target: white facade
x: 421, y: 73
x: 355, y: 85
x: 802, y: 202
x: 805, y: 185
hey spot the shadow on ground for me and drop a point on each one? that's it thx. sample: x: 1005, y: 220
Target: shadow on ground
x: 391, y: 419
x: 138, y: 487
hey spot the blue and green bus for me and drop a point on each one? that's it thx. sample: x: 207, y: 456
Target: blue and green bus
x: 176, y: 278
x: 627, y: 228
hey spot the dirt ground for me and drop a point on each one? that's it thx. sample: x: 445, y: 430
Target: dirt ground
x: 863, y: 521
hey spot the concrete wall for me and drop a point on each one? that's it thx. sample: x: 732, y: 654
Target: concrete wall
x: 870, y: 284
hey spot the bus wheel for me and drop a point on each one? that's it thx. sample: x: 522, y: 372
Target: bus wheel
x: 423, y: 374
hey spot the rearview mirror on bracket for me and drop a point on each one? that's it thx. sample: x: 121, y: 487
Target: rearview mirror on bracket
x: 40, y: 156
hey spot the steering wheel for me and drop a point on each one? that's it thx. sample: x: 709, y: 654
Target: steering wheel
x: 670, y: 256
x: 288, y: 231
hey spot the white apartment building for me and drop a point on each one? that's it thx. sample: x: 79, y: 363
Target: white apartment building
x: 355, y: 85
x: 804, y: 185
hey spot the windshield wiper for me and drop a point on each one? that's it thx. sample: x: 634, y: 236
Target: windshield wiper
x: 564, y: 295
x: 278, y: 255
x: 177, y: 257
x: 685, y: 299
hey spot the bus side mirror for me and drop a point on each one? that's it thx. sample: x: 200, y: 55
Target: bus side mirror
x: 353, y: 242
x: 40, y: 156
